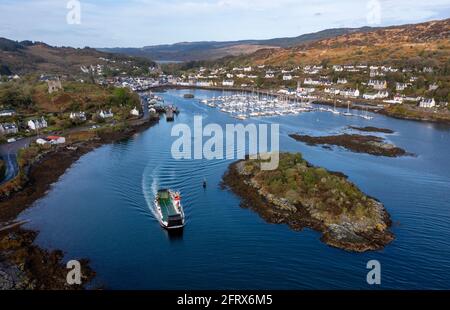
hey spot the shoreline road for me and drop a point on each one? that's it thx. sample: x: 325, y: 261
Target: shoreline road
x: 8, y: 152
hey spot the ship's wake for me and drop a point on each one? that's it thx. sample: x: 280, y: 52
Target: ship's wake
x: 150, y: 188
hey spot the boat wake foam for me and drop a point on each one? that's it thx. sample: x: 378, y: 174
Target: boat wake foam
x: 150, y: 189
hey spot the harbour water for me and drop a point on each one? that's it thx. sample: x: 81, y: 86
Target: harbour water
x: 101, y: 208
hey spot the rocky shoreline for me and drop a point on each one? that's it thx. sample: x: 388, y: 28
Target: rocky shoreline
x: 372, y: 129
x: 341, y: 227
x: 372, y: 145
x: 24, y: 265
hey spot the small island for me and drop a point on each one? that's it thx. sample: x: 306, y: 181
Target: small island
x: 372, y: 145
x: 303, y: 196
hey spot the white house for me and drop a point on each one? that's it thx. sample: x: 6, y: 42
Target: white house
x: 8, y: 128
x: 371, y: 96
x: 377, y: 84
x: 135, y: 112
x: 333, y: 91
x: 41, y: 141
x: 36, y: 124
x: 304, y: 91
x: 373, y: 73
x: 7, y: 113
x: 56, y: 140
x: 427, y: 103
x: 401, y: 86
x: 338, y: 68
x: 204, y: 84
x: 413, y: 99
x: 342, y: 81
x: 106, y: 114
x: 353, y: 93
x: 310, y: 81
x: 433, y: 86
x: 383, y: 94
x: 80, y: 116
x: 229, y: 83
x: 269, y: 76
x: 248, y: 69
x: 398, y: 99
x: 287, y: 77
x: 378, y: 95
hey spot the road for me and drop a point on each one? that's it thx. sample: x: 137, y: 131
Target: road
x: 8, y: 152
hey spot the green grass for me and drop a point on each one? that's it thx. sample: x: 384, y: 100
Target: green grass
x: 299, y: 183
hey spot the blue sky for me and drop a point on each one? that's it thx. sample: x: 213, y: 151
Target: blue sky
x: 137, y: 23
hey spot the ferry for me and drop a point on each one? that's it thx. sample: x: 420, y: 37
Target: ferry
x: 169, y: 209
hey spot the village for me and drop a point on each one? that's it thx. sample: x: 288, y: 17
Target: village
x: 370, y: 84
x: 15, y: 125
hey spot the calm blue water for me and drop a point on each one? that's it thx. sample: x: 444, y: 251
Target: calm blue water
x: 101, y: 209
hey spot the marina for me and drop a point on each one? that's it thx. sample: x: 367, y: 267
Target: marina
x: 249, y: 105
x: 244, y: 105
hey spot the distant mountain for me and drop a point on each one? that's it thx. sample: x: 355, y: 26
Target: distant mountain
x: 211, y: 50
x: 38, y: 57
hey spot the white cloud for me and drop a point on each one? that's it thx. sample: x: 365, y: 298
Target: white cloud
x: 146, y: 22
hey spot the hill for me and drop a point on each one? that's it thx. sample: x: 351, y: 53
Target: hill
x: 425, y: 44
x: 211, y: 50
x: 37, y: 57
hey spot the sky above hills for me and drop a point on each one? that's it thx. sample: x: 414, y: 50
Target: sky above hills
x: 137, y: 23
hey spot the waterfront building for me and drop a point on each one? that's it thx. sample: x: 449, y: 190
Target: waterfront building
x: 229, y: 83
x: 427, y: 103
x: 352, y: 93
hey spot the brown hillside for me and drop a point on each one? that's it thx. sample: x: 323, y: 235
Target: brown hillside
x: 427, y: 43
